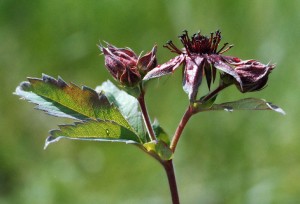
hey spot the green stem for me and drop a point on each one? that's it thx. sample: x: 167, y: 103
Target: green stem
x: 187, y: 115
x: 141, y: 100
x: 169, y: 168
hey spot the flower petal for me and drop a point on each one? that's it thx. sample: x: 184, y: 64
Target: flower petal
x: 220, y: 63
x: 192, y: 77
x: 121, y: 52
x: 112, y: 64
x: 148, y: 61
x: 166, y: 68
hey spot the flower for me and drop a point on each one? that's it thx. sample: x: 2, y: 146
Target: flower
x: 253, y: 75
x: 201, y: 57
x: 125, y: 66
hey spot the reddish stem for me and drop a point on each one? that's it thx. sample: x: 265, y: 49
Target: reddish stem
x: 169, y: 168
x: 187, y: 115
x: 145, y: 114
x: 214, y: 93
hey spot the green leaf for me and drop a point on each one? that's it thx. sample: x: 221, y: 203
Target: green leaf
x: 127, y: 104
x: 244, y: 104
x: 60, y: 99
x: 160, y: 133
x: 159, y: 150
x: 94, y: 131
x: 205, y: 104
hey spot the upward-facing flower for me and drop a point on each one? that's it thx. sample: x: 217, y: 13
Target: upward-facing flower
x: 201, y: 57
x: 125, y: 66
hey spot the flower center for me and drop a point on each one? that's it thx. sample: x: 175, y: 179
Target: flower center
x: 199, y: 44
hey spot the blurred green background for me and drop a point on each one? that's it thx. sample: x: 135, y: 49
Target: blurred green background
x: 239, y: 157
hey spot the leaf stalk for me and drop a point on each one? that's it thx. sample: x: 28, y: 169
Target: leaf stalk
x: 141, y: 100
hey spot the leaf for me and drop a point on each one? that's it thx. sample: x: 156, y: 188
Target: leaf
x: 94, y: 131
x: 243, y: 104
x: 201, y: 104
x: 60, y: 99
x: 127, y: 104
x: 160, y: 133
x: 159, y: 150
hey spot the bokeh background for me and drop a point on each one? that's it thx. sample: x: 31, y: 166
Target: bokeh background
x: 239, y: 157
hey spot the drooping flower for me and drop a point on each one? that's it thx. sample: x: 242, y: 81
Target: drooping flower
x: 201, y: 57
x: 125, y: 66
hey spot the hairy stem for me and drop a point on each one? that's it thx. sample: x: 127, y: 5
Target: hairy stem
x: 187, y: 115
x: 169, y: 168
x: 141, y: 100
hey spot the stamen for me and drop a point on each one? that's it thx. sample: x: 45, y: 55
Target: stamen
x: 212, y: 46
x: 218, y: 39
x: 185, y: 33
x: 225, y: 44
x: 214, y: 41
x: 187, y: 38
x: 228, y: 48
x: 199, y: 44
x: 185, y: 41
x: 170, y: 45
x: 211, y: 38
x: 193, y: 37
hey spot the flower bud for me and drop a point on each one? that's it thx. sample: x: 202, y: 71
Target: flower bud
x: 121, y: 63
x: 253, y: 75
x: 124, y: 65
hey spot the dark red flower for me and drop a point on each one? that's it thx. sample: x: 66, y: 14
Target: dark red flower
x: 125, y: 66
x: 201, y: 57
x: 253, y: 74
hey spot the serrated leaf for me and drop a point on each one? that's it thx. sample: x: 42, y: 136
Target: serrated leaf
x: 244, y: 104
x: 159, y: 149
x: 94, y: 131
x: 127, y: 104
x: 60, y: 99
